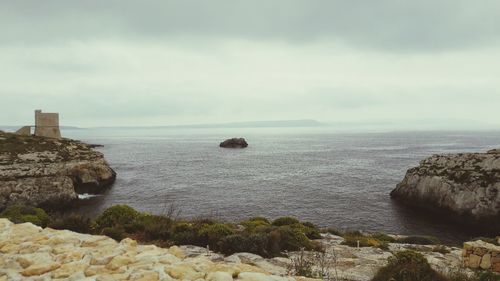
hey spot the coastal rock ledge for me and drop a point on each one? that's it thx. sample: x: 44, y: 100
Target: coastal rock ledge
x: 467, y: 184
x: 28, y: 252
x: 49, y: 172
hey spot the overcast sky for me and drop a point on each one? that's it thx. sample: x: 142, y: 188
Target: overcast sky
x: 129, y: 63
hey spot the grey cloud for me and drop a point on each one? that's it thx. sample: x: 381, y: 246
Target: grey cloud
x: 384, y: 24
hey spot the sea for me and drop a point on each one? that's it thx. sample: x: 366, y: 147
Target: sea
x: 332, y: 179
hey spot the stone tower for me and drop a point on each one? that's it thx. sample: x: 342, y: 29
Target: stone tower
x: 47, y: 124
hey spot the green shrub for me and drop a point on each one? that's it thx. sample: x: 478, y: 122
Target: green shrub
x: 311, y: 233
x: 157, y: 227
x: 364, y: 241
x: 419, y: 240
x: 117, y: 215
x: 333, y: 231
x: 408, y: 266
x: 154, y: 227
x: 256, y: 243
x: 255, y: 224
x: 20, y: 214
x: 213, y: 233
x: 383, y: 237
x: 285, y: 221
x: 184, y: 233
x: 73, y: 222
x: 285, y: 238
x: 488, y: 276
x: 309, y: 224
x: 261, y: 219
x: 116, y: 232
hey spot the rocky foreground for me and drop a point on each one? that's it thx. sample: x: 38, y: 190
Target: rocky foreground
x: 28, y: 252
x: 49, y: 172
x: 467, y: 184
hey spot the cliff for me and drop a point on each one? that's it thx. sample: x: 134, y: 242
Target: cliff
x: 466, y: 184
x: 49, y: 172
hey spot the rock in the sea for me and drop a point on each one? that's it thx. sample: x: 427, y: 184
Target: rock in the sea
x: 234, y: 143
x: 42, y: 171
x: 466, y: 184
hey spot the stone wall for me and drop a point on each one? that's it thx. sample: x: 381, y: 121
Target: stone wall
x: 24, y: 131
x: 479, y: 254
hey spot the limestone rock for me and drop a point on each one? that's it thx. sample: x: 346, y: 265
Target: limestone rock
x: 234, y: 143
x: 46, y: 171
x: 480, y: 254
x: 467, y: 184
x: 66, y: 255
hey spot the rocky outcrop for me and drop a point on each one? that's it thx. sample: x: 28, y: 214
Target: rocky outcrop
x: 29, y: 252
x: 479, y: 254
x: 466, y: 184
x: 49, y: 172
x: 234, y: 143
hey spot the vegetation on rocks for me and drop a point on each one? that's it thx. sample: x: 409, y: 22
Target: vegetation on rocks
x: 412, y: 266
x: 19, y: 214
x: 256, y: 235
x: 408, y: 266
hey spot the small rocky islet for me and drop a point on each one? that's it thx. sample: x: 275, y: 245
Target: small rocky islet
x: 234, y: 143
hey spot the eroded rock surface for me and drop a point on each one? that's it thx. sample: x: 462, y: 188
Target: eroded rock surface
x: 467, y: 184
x: 43, y: 171
x: 28, y: 252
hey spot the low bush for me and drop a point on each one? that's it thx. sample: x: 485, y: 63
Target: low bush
x: 122, y: 215
x: 487, y: 276
x: 419, y: 240
x: 364, y: 241
x: 211, y: 234
x: 255, y: 224
x: 384, y: 237
x: 332, y: 230
x: 73, y: 222
x: 185, y: 233
x: 310, y: 230
x: 408, y: 266
x: 251, y: 243
x: 116, y: 232
x: 287, y: 238
x: 260, y: 219
x: 153, y: 227
x: 257, y: 235
x: 285, y: 221
x: 21, y: 214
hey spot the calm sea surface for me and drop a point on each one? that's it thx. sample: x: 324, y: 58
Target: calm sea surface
x: 333, y: 179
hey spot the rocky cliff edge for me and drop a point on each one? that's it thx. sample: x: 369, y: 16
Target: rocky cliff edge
x: 49, y: 172
x: 466, y: 184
